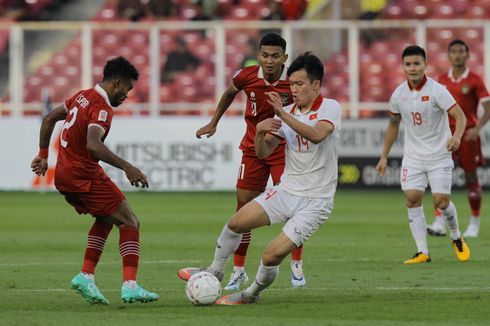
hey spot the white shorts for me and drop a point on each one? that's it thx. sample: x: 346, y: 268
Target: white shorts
x: 302, y: 215
x: 416, y: 175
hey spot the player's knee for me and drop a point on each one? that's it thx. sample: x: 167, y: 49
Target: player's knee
x: 235, y: 225
x: 413, y: 202
x: 270, y: 258
x: 442, y: 202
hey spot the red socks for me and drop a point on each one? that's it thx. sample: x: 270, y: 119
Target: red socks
x: 129, y: 248
x: 297, y: 253
x: 95, y: 246
x: 474, y: 197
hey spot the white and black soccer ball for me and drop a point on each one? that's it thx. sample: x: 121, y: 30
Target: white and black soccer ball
x: 203, y: 288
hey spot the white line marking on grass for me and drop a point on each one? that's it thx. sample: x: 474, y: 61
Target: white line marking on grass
x: 147, y: 262
x: 422, y: 288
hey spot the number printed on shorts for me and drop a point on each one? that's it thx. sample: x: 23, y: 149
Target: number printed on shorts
x: 270, y: 193
x: 302, y: 143
x: 241, y: 171
x: 404, y: 174
x: 68, y: 123
x: 417, y: 118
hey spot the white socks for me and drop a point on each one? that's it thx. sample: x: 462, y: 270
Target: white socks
x: 265, y: 276
x: 228, y: 242
x: 418, y: 226
x: 451, y: 217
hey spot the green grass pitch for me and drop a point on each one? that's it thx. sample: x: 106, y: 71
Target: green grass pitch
x: 353, y: 265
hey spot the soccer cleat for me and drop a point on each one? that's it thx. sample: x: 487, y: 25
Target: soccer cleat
x: 418, y: 258
x: 238, y: 277
x: 472, y: 231
x: 438, y: 228
x: 297, y: 277
x: 461, y: 249
x: 87, y: 289
x: 237, y: 299
x: 186, y: 273
x: 136, y: 293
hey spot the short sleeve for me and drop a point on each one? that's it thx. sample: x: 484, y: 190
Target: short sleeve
x: 394, y: 108
x: 102, y: 116
x: 331, y: 112
x: 481, y: 90
x: 239, y: 79
x: 444, y: 100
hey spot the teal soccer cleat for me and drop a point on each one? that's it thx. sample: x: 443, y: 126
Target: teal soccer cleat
x: 136, y: 293
x: 87, y: 289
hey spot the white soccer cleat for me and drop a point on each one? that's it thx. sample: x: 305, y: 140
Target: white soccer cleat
x: 238, y: 277
x: 297, y: 276
x: 472, y: 231
x: 438, y: 228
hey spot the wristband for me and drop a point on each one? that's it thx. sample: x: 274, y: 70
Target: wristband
x: 43, y: 153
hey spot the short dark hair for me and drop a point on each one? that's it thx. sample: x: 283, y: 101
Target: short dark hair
x: 120, y: 67
x: 309, y: 62
x: 414, y: 50
x: 274, y: 40
x: 458, y: 42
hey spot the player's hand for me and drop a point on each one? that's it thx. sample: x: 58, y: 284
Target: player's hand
x: 472, y: 134
x: 381, y: 166
x: 39, y: 166
x: 453, y: 144
x: 136, y: 177
x: 208, y: 130
x: 275, y: 101
x: 269, y: 125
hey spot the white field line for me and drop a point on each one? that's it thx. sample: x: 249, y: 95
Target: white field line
x: 148, y: 262
x: 440, y: 289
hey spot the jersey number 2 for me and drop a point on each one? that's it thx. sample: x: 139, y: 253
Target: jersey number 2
x: 67, y: 125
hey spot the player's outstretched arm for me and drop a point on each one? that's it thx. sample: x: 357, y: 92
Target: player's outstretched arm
x: 223, y: 105
x: 390, y: 137
x: 457, y: 113
x: 314, y: 134
x: 265, y: 143
x: 101, y: 152
x: 473, y: 133
x: 39, y: 164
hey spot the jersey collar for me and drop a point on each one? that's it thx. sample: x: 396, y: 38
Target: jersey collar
x: 419, y: 86
x: 463, y: 75
x: 296, y: 110
x: 103, y: 93
x: 284, y: 76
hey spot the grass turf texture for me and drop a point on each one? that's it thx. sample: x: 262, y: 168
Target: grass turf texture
x: 353, y: 265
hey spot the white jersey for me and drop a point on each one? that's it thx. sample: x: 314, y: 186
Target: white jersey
x: 424, y: 116
x: 311, y: 169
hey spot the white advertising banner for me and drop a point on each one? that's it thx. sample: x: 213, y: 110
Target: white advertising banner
x: 167, y: 151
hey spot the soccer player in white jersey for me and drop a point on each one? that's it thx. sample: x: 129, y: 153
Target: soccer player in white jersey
x: 304, y: 198
x: 423, y: 105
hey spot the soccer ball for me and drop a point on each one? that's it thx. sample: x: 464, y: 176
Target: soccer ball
x: 203, y: 288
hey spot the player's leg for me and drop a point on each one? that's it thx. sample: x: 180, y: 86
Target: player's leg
x: 440, y: 179
x: 438, y: 227
x: 474, y: 199
x: 276, y: 163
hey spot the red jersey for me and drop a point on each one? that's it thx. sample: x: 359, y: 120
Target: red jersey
x: 251, y: 80
x: 468, y: 90
x: 76, y: 168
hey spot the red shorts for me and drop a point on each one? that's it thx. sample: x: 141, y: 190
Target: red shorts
x: 103, y: 199
x: 469, y: 155
x: 254, y: 173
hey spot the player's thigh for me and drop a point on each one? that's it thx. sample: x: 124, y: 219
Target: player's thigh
x: 125, y: 216
x: 310, y: 214
x: 250, y: 216
x: 413, y: 176
x: 253, y: 173
x: 440, y: 177
x: 469, y: 155
x: 277, y: 204
x: 244, y: 195
x: 277, y: 249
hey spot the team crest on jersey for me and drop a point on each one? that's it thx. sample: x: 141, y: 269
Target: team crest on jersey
x: 102, y: 116
x: 313, y: 116
x: 284, y: 98
x: 465, y: 89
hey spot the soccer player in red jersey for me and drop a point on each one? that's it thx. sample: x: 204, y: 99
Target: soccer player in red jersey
x: 83, y: 182
x: 468, y: 89
x: 255, y: 81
